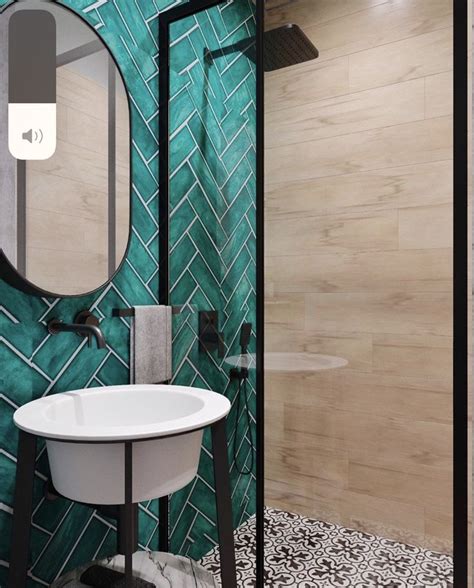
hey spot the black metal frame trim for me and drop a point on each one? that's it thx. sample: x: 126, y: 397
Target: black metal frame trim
x: 461, y: 292
x: 8, y: 271
x: 165, y: 20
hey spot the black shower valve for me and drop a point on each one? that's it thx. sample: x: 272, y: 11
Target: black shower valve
x: 210, y: 338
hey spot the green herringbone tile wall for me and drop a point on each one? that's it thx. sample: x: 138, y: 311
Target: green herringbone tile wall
x: 33, y: 364
x: 212, y: 226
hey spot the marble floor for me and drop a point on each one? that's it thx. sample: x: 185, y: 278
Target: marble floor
x: 304, y: 553
x: 161, y: 569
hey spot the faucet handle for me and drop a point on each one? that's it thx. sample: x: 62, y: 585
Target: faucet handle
x: 85, y: 317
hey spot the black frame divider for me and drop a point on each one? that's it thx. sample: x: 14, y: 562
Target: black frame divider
x: 165, y: 20
x: 461, y: 450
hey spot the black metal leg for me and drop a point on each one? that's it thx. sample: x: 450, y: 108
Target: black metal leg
x: 123, y: 531
x: 164, y: 524
x: 224, y: 505
x: 128, y: 517
x: 22, y: 508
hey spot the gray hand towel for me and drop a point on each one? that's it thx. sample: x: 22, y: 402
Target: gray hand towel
x: 150, y: 345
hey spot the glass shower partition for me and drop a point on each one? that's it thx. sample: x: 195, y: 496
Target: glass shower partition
x: 208, y: 251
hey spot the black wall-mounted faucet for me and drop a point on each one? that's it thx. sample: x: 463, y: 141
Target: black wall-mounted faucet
x: 85, y: 325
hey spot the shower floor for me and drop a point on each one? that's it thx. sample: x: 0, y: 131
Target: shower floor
x: 304, y: 553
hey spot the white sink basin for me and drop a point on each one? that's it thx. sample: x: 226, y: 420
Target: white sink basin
x: 167, y: 421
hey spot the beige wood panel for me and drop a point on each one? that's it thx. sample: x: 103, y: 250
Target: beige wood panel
x: 77, y: 90
x: 400, y: 187
x: 419, y: 270
x: 340, y: 233
x: 365, y: 29
x: 358, y: 202
x: 309, y: 12
x: 70, y: 233
x: 305, y: 461
x: 307, y: 84
x: 48, y: 191
x: 426, y: 227
x: 86, y: 131
x: 286, y: 309
x: 44, y: 263
x: 71, y: 162
x: 395, y: 485
x: 350, y: 113
x: 380, y: 312
x: 438, y: 528
x: 418, y: 356
x: 439, y: 94
x: 416, y: 57
x: 418, y: 142
x: 408, y: 445
x: 390, y: 396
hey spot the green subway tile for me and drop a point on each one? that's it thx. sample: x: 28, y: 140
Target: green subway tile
x: 109, y: 546
x: 88, y: 545
x: 59, y: 547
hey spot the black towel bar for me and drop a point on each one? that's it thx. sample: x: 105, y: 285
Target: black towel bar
x: 124, y: 312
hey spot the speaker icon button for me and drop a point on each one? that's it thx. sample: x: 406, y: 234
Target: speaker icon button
x: 32, y: 130
x: 33, y: 136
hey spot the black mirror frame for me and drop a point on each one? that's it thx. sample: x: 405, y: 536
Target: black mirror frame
x: 8, y: 272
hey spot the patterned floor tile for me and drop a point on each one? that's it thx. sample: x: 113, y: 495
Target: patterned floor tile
x: 305, y: 553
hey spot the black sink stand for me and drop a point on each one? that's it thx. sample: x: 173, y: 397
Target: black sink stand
x: 23, y: 504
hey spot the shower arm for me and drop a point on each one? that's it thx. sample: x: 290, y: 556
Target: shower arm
x: 244, y: 45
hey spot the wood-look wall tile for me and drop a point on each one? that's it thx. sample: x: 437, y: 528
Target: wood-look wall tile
x: 339, y: 233
x: 47, y: 192
x: 401, y: 445
x: 306, y: 12
x: 439, y: 530
x: 306, y: 84
x: 396, y: 397
x: 411, y: 271
x: 359, y: 142
x: 43, y: 264
x: 387, y: 23
x: 395, y: 485
x: 81, y: 91
x: 288, y: 309
x: 343, y: 115
x: 419, y: 56
x: 412, y: 313
x: 439, y: 95
x: 303, y: 462
x: 417, y: 142
x: 386, y: 518
x: 405, y: 186
x: 426, y: 227
x: 424, y: 356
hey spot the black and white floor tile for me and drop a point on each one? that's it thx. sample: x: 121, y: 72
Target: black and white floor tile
x: 304, y: 553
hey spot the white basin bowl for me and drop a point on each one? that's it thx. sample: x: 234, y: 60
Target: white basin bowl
x: 165, y: 421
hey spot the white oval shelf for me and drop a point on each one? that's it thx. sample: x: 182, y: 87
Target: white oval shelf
x: 276, y: 361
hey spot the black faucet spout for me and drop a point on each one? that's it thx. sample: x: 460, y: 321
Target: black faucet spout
x: 89, y: 329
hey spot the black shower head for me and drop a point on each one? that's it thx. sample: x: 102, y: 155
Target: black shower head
x: 285, y: 46
x: 282, y: 47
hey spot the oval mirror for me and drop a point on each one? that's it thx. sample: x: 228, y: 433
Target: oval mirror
x: 64, y: 151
